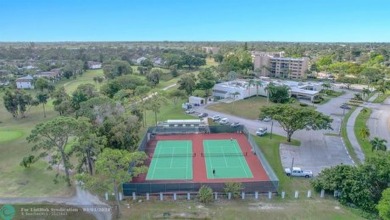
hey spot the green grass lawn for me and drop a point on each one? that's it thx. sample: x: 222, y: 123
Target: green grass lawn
x: 270, y: 149
x: 87, y: 77
x: 381, y: 97
x: 361, y: 121
x: 246, y: 108
x: 6, y: 136
x: 304, y: 209
x: 347, y: 143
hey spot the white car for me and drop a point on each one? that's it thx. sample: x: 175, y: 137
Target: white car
x: 224, y: 121
x: 261, y: 131
x: 216, y: 118
x: 190, y: 111
x: 267, y: 119
x: 297, y: 171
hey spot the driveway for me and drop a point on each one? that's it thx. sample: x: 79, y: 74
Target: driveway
x: 317, y: 151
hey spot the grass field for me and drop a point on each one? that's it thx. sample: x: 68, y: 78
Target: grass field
x: 361, y: 122
x: 246, y: 108
x: 303, y: 209
x: 381, y: 97
x: 15, y: 180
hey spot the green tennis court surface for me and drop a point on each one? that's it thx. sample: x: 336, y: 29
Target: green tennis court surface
x: 172, y: 160
x: 226, y: 158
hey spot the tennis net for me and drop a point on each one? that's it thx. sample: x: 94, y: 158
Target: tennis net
x: 224, y: 154
x: 173, y: 155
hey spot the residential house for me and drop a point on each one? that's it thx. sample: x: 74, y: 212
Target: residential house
x: 94, y: 65
x: 25, y: 82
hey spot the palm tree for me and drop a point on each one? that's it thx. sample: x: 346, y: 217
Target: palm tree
x: 364, y: 132
x: 268, y: 90
x: 378, y: 144
x: 258, y: 84
x: 250, y: 83
x: 366, y: 92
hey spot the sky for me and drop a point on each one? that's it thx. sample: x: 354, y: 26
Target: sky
x: 195, y: 20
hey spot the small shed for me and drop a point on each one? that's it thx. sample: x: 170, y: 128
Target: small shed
x: 196, y: 100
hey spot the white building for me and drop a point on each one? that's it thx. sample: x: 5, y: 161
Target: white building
x: 241, y: 89
x: 196, y: 100
x: 25, y: 82
x: 94, y: 65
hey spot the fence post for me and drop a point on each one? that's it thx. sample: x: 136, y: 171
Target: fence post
x: 256, y: 195
x: 322, y: 193
x: 296, y: 194
x: 283, y: 194
x: 215, y: 195
x: 229, y: 195
x: 147, y: 196
x: 335, y: 193
x: 106, y: 195
x: 269, y: 195
x: 188, y: 196
x: 174, y: 196
x: 243, y: 195
x: 161, y: 196
x: 120, y: 196
x: 134, y: 197
x: 309, y: 194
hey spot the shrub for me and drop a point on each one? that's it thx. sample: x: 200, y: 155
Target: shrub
x: 234, y: 188
x: 205, y: 194
x: 303, y: 104
x: 316, y: 101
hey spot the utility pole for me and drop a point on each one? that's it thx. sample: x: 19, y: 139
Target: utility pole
x: 272, y: 125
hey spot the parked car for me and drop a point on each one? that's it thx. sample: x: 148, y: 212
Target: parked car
x: 267, y: 119
x: 345, y: 106
x: 216, y: 118
x: 235, y: 124
x: 190, y: 111
x: 224, y: 121
x: 297, y: 171
x: 202, y: 115
x: 261, y: 131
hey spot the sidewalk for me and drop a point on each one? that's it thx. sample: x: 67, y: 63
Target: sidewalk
x: 351, y: 133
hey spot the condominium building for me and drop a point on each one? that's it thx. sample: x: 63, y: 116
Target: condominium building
x: 273, y: 64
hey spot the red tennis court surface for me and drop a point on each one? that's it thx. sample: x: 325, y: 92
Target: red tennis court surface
x: 199, y: 166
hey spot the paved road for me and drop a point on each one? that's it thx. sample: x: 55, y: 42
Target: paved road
x: 82, y: 199
x: 351, y: 134
x: 379, y: 121
x: 317, y: 151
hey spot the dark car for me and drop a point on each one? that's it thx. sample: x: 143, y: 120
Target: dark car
x: 202, y: 115
x: 345, y: 106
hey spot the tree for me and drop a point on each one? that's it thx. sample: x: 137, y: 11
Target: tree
x: 384, y: 205
x: 53, y: 136
x: 366, y: 92
x: 41, y: 84
x: 278, y: 94
x: 177, y: 95
x: 218, y: 58
x: 378, y: 144
x: 293, y: 118
x: 17, y: 101
x: 83, y: 93
x: 234, y: 188
x: 62, y: 101
x: 115, y: 68
x: 187, y: 83
x: 382, y: 86
x: 205, y: 194
x: 88, y: 147
x: 154, y: 76
x: 364, y: 132
x: 155, y: 102
x: 112, y: 170
x: 42, y: 99
x: 206, y: 81
x: 371, y: 75
x: 258, y: 84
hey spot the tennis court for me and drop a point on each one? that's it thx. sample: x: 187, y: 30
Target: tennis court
x: 226, y: 159
x: 172, y: 160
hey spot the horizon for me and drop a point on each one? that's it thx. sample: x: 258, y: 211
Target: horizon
x: 303, y: 21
